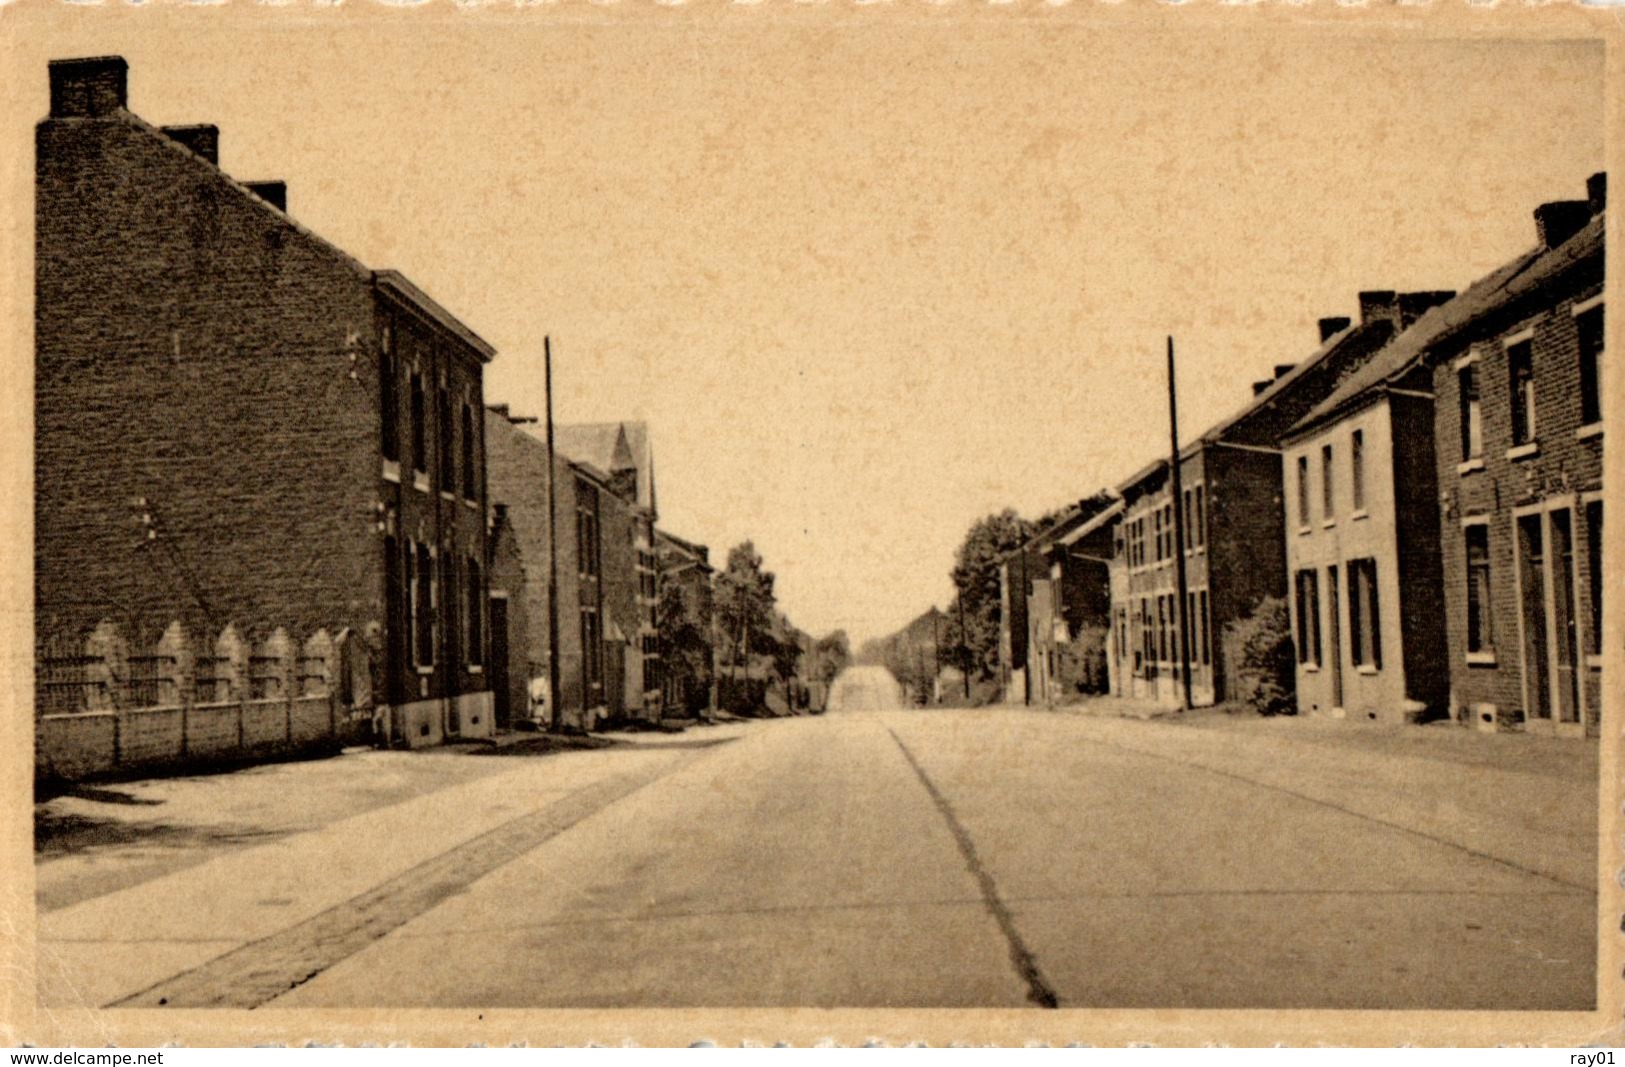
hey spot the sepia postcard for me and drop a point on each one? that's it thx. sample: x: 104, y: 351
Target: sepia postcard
x: 1033, y: 521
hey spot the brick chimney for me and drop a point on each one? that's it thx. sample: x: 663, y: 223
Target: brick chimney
x: 1331, y: 327
x: 85, y: 88
x: 1259, y: 387
x: 1379, y: 305
x: 1413, y: 306
x: 273, y: 193
x: 1282, y: 369
x: 1559, y: 220
x: 1597, y: 191
x: 202, y: 139
x: 499, y: 409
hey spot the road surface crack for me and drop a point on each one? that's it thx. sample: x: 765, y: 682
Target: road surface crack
x: 1039, y: 990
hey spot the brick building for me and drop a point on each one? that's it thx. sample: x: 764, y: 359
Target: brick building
x: 1054, y: 601
x: 246, y: 440
x: 1518, y: 379
x: 605, y: 580
x: 622, y: 451
x: 1231, y: 509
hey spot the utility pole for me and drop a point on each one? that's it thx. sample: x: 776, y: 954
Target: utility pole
x: 964, y: 646
x: 936, y: 653
x: 1026, y: 634
x: 555, y: 713
x: 1179, y: 535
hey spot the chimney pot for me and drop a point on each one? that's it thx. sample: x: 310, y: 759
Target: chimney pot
x: 1559, y: 220
x: 1332, y: 326
x: 202, y: 139
x: 1378, y: 305
x: 273, y: 193
x: 85, y: 88
x: 1413, y: 306
x: 1597, y: 191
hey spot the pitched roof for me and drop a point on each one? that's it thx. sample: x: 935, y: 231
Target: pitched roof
x: 1491, y: 292
x: 612, y: 447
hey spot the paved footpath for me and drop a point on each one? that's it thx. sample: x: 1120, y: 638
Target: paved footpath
x: 994, y: 857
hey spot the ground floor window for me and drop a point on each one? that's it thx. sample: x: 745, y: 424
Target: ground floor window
x: 1594, y: 576
x: 474, y: 626
x: 592, y: 648
x: 1480, y: 605
x: 1365, y: 627
x: 1306, y: 588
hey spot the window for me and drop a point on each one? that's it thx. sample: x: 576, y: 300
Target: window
x: 1588, y: 325
x: 1162, y: 629
x: 1190, y: 514
x: 1328, y: 506
x: 587, y: 533
x: 420, y: 432
x: 1357, y: 468
x: 1303, y: 491
x: 1521, y: 370
x: 1206, y: 644
x: 1200, y: 536
x: 1472, y: 423
x: 448, y: 475
x: 1142, y: 654
x: 471, y: 487
x: 1480, y: 605
x: 592, y: 649
x: 474, y: 627
x: 420, y: 576
x: 1594, y: 575
x: 1308, y: 605
x: 1156, y: 531
x: 1365, y: 627
x: 388, y: 403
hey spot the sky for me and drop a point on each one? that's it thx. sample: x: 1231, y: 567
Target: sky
x: 868, y: 283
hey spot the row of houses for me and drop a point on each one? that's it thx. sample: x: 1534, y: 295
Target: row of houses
x: 250, y: 445
x: 1423, y: 490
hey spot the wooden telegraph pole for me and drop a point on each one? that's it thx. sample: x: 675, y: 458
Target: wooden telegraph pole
x: 554, y: 711
x: 1179, y: 536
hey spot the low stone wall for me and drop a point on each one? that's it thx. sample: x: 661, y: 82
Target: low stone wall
x: 82, y: 745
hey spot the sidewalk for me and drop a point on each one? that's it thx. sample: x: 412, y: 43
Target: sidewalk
x: 411, y: 808
x: 1528, y: 801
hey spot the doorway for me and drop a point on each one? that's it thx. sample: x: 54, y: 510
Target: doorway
x: 501, y: 698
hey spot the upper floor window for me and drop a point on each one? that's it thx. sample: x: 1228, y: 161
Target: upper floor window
x: 470, y: 486
x: 1521, y: 376
x: 1328, y: 501
x: 1200, y: 526
x: 1303, y: 491
x: 1472, y: 422
x: 448, y: 477
x: 420, y: 429
x: 1357, y: 468
x: 388, y: 402
x: 587, y: 536
x: 1588, y: 324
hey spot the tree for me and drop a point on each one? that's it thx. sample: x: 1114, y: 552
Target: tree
x: 685, y: 640
x: 976, y: 580
x: 832, y: 654
x: 744, y: 606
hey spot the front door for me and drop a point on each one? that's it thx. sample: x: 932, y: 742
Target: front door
x: 502, y: 705
x: 1537, y: 697
x: 1334, y: 629
x: 1565, y: 636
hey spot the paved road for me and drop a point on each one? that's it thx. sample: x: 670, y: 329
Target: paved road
x: 883, y: 857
